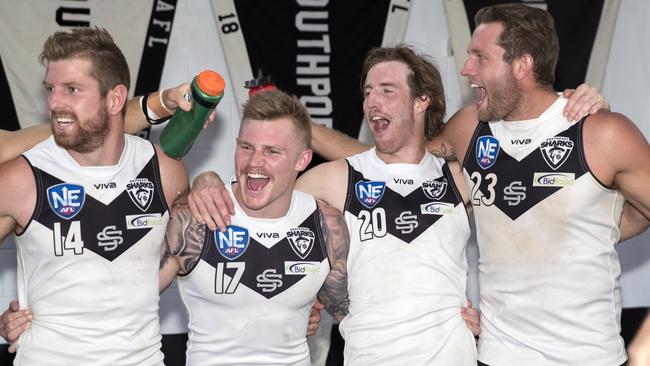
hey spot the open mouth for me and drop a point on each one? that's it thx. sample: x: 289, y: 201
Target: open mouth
x: 379, y: 124
x: 256, y: 181
x: 480, y: 93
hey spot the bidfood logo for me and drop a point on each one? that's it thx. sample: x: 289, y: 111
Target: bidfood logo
x: 301, y: 268
x: 437, y: 208
x: 145, y: 221
x: 553, y: 179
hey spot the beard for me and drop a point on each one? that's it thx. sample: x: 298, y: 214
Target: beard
x: 502, y: 99
x: 87, y: 136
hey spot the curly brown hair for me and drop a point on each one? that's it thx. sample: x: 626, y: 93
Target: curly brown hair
x: 424, y: 80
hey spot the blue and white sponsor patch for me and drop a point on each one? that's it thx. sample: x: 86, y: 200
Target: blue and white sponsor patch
x: 487, y: 149
x: 143, y: 221
x: 66, y: 199
x: 437, y: 208
x: 233, y: 242
x: 301, y: 268
x: 369, y: 193
x: 553, y: 179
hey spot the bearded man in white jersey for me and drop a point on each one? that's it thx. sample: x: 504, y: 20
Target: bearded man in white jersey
x: 547, y: 197
x: 89, y: 277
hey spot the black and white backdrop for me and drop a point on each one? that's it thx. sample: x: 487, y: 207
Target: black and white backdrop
x: 314, y: 49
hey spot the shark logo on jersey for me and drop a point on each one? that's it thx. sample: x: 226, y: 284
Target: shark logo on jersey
x: 435, y: 189
x: 232, y: 243
x: 487, y: 149
x: 556, y: 150
x: 141, y: 192
x: 301, y: 240
x: 369, y: 193
x: 66, y: 199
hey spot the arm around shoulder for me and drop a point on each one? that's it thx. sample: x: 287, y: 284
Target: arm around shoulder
x: 332, y: 144
x: 14, y: 143
x: 452, y: 143
x: 182, y: 246
x: 327, y: 182
x: 334, y: 293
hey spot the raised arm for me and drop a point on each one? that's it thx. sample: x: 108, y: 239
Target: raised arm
x: 332, y: 144
x: 14, y: 143
x: 334, y: 293
x: 159, y: 105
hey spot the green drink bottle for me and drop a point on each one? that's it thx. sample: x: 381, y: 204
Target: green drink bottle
x: 184, y: 127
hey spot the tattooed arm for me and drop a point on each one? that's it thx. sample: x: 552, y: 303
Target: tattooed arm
x: 182, y: 246
x: 334, y: 293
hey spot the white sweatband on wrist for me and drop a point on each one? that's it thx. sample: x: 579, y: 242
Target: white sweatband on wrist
x: 150, y: 115
x: 162, y: 104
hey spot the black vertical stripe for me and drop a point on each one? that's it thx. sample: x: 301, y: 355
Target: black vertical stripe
x: 155, y: 49
x: 9, y: 119
x: 354, y: 27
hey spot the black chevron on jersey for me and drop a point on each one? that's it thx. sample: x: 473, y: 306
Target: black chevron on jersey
x: 405, y: 215
x: 517, y: 187
x: 268, y: 264
x: 103, y: 227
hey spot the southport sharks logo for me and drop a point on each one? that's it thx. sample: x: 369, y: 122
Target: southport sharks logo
x: 556, y: 150
x: 141, y: 192
x: 435, y: 189
x: 301, y: 240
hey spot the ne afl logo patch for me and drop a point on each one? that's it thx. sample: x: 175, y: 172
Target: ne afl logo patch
x: 487, y: 149
x: 556, y: 150
x: 369, y: 193
x: 232, y: 243
x: 141, y: 192
x: 66, y: 200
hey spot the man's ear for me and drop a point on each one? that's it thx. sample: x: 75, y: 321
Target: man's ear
x: 522, y: 66
x: 421, y: 104
x: 116, y: 99
x: 304, y: 159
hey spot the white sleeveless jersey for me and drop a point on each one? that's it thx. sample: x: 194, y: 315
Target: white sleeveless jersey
x: 89, y: 258
x: 546, y: 229
x: 249, y: 297
x: 407, y: 269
